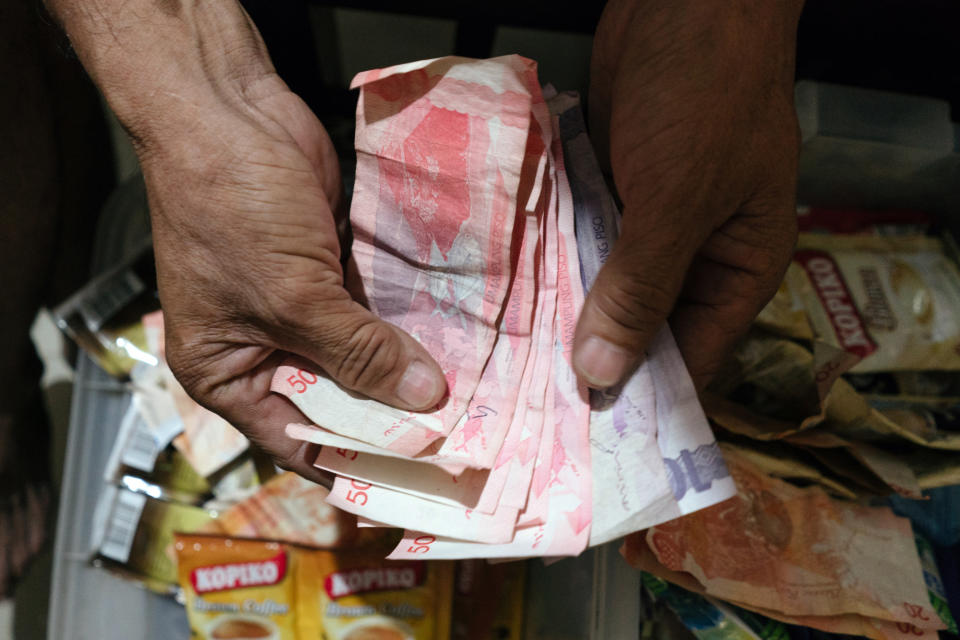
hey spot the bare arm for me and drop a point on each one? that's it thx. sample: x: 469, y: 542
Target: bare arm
x: 242, y: 181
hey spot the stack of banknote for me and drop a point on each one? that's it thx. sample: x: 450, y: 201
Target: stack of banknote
x: 480, y: 218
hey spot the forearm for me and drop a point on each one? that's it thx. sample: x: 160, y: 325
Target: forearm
x: 165, y: 64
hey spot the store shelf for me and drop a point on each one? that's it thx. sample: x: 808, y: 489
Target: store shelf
x: 87, y: 602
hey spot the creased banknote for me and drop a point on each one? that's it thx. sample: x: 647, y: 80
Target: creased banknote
x: 654, y: 456
x: 427, y: 222
x: 639, y: 555
x: 799, y: 552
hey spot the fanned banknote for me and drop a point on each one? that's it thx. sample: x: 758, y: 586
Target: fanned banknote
x: 481, y: 218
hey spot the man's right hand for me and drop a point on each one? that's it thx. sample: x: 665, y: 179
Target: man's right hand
x: 243, y: 183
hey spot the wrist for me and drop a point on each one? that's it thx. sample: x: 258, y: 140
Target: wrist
x: 163, y: 69
x: 705, y: 45
x: 664, y: 21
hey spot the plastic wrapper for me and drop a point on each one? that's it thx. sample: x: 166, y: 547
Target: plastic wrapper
x: 931, y: 575
x: 243, y: 589
x: 104, y: 318
x: 360, y: 596
x: 136, y: 534
x: 248, y: 589
x: 894, y: 302
x: 151, y: 490
x: 139, y: 455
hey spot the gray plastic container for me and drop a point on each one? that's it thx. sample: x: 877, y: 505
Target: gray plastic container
x: 876, y: 150
x: 86, y: 602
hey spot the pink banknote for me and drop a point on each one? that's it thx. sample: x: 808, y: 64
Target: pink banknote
x: 565, y: 528
x: 402, y: 510
x: 440, y: 152
x: 654, y: 457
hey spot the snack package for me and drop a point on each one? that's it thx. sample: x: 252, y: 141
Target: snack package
x: 894, y: 302
x: 136, y: 446
x: 246, y: 589
x: 103, y: 318
x: 136, y: 531
x: 242, y: 589
x: 360, y: 596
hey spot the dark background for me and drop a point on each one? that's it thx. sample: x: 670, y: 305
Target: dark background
x: 908, y: 46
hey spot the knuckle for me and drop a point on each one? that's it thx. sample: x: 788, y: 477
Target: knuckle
x: 288, y: 310
x: 293, y: 305
x: 192, y: 362
x: 184, y: 365
x: 289, y: 460
x: 776, y: 253
x: 635, y: 303
x: 191, y: 377
x: 368, y: 356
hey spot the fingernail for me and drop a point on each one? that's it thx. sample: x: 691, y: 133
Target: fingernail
x: 419, y: 385
x: 600, y: 363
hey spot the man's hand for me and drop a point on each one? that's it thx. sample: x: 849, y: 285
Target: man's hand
x: 693, y: 100
x: 243, y: 183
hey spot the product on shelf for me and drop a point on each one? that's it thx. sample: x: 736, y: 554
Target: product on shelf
x: 103, y: 317
x: 136, y: 534
x: 285, y: 592
x: 891, y: 302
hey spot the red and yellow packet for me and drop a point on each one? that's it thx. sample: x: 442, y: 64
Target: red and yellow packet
x: 238, y: 589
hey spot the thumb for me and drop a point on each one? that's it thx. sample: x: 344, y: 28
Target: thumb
x: 370, y: 356
x: 629, y: 302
